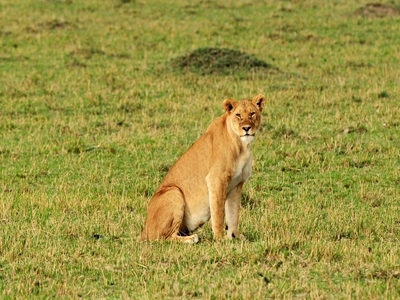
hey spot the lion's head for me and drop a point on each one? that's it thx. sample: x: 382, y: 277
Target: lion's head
x: 244, y: 116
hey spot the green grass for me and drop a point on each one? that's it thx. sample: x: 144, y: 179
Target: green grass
x: 92, y: 116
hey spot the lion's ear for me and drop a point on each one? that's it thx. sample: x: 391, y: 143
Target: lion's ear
x: 228, y: 105
x: 259, y: 101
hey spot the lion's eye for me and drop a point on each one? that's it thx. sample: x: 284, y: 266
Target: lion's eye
x: 252, y: 114
x: 238, y: 116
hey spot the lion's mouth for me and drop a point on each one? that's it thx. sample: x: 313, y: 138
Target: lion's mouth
x: 247, y: 137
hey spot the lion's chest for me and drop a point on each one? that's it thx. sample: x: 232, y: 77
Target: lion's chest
x: 241, y: 170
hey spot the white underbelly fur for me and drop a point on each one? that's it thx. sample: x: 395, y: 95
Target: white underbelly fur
x: 243, y: 172
x: 194, y: 221
x: 203, y: 213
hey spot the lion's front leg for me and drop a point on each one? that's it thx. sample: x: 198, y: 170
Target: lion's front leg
x: 232, y: 207
x: 216, y: 198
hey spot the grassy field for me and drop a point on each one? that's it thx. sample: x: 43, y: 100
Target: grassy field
x: 92, y: 115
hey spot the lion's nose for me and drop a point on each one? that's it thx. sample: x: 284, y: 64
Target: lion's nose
x: 246, y: 128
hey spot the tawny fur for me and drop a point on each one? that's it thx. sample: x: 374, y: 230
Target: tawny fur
x: 206, y: 181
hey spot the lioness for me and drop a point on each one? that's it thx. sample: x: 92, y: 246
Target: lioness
x: 207, y: 180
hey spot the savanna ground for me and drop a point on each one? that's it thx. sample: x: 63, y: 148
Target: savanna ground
x: 93, y: 112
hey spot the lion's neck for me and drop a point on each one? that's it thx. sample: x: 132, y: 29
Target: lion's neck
x: 247, y: 141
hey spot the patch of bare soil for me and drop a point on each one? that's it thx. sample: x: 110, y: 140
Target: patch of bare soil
x: 378, y: 10
x: 219, y: 61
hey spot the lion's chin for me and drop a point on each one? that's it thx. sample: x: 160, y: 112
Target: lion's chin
x: 247, y: 138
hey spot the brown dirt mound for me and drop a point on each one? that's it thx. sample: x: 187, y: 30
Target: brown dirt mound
x: 378, y: 10
x: 219, y: 61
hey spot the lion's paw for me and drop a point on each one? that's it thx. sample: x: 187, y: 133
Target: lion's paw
x: 193, y: 239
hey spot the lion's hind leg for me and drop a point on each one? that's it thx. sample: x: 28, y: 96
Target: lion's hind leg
x: 165, y: 216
